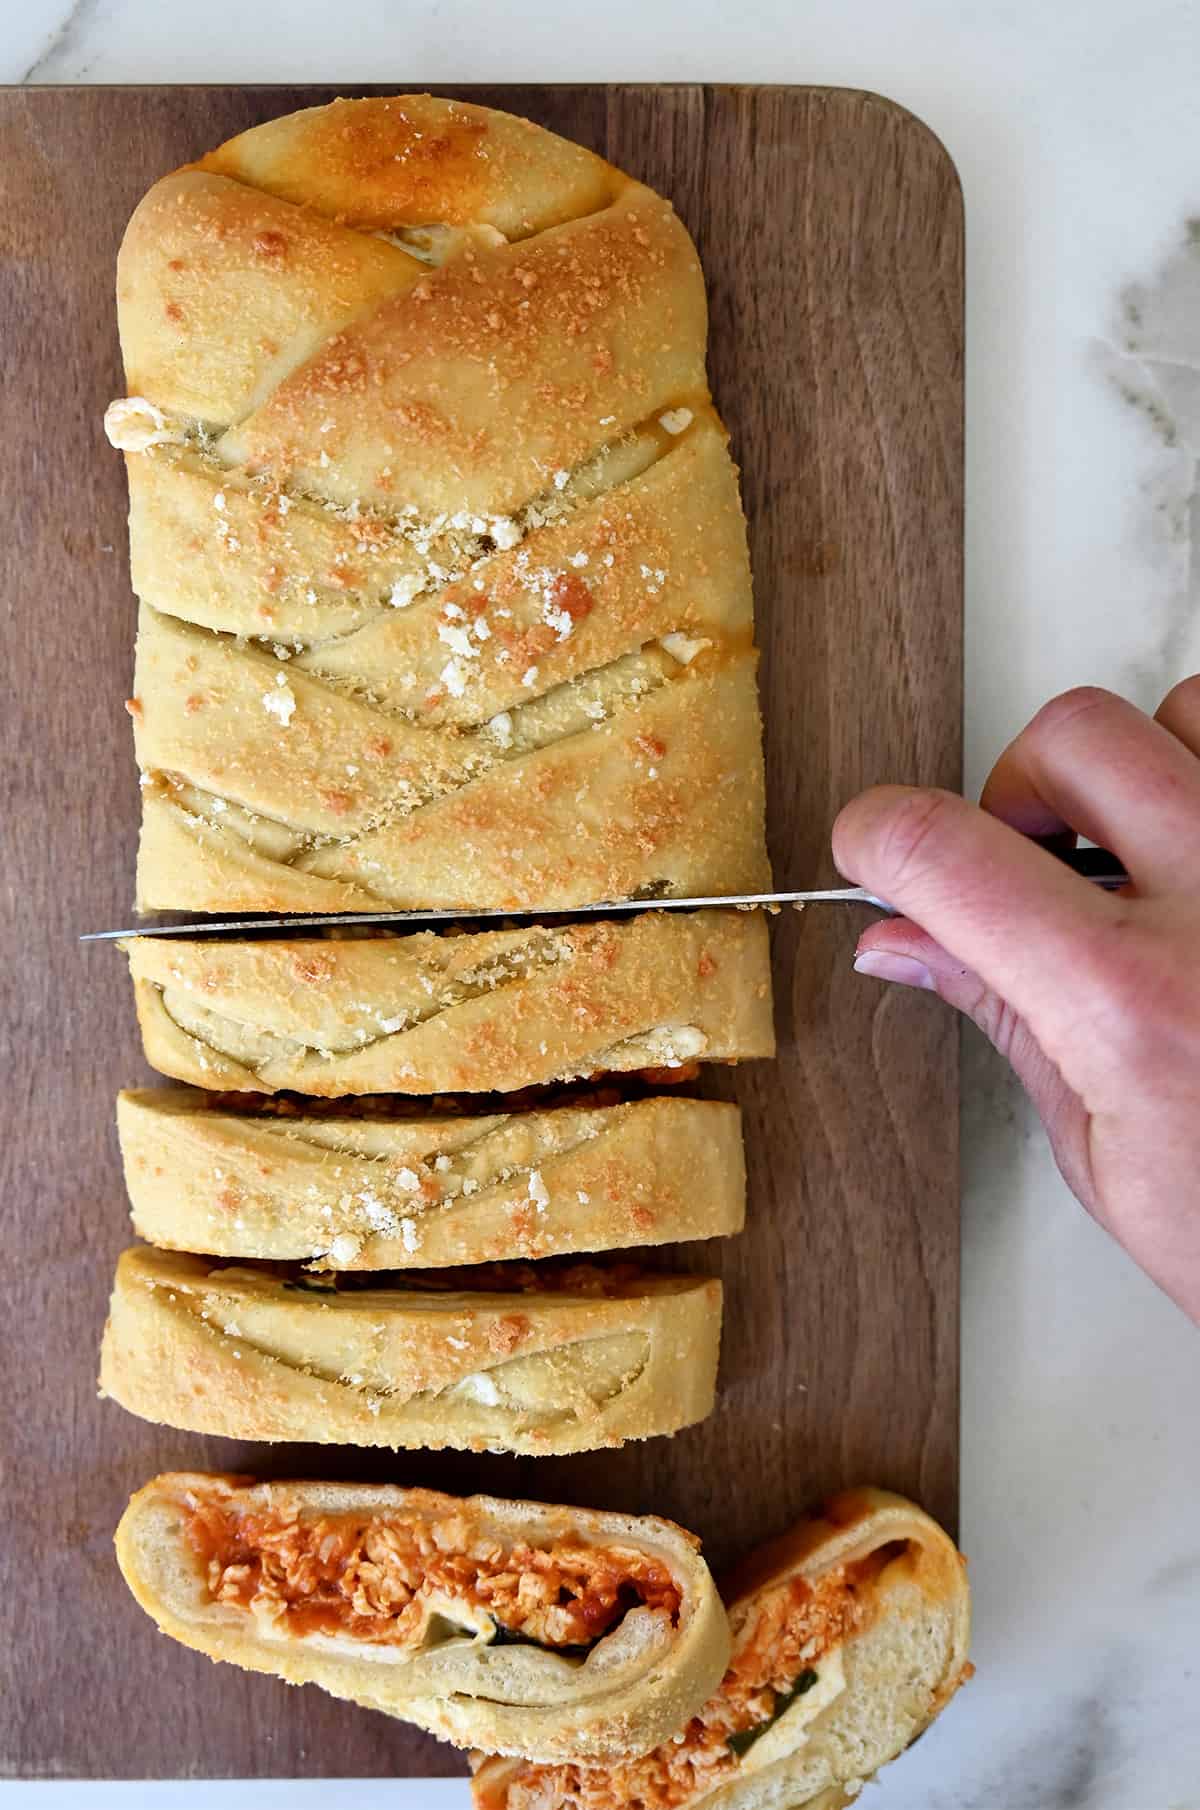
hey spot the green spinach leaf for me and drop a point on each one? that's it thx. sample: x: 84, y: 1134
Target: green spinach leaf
x: 744, y: 1740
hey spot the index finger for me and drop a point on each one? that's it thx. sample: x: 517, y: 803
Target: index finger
x: 999, y: 903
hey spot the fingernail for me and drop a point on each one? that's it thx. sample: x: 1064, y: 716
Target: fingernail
x: 882, y: 965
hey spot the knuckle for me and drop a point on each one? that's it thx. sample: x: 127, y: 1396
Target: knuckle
x: 1141, y: 1004
x: 915, y: 836
x: 998, y: 1021
x: 1063, y: 712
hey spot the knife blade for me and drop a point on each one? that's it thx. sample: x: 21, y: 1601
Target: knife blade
x: 1095, y: 864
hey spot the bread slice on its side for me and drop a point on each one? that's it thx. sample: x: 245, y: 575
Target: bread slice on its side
x: 849, y: 1636
x: 449, y: 1644
x: 526, y: 1360
x: 376, y: 1191
x: 474, y: 1012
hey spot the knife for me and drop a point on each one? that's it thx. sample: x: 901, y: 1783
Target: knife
x: 1095, y: 864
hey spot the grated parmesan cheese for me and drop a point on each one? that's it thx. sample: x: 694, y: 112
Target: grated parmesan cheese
x: 345, y: 1248
x: 404, y: 590
x: 280, y: 703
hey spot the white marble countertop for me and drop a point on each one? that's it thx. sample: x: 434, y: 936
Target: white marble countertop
x: 1073, y: 126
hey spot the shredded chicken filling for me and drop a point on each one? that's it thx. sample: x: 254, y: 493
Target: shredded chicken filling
x: 795, y: 1625
x: 375, y: 1577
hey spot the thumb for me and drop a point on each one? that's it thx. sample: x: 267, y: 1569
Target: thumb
x: 1010, y: 911
x: 898, y: 951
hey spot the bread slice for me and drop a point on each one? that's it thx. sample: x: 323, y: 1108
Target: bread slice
x: 849, y: 1636
x: 346, y: 1191
x: 475, y: 1012
x: 445, y: 595
x: 530, y: 1360
x: 437, y: 1609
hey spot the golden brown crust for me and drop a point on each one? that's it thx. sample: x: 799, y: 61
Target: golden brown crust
x: 405, y: 160
x: 445, y: 594
x: 400, y: 1193
x: 249, y: 1355
x: 487, y: 1010
x: 633, y: 1690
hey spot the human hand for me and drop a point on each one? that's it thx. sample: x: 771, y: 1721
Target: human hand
x: 1093, y: 997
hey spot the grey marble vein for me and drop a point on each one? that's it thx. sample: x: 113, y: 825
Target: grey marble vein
x: 1152, y: 360
x: 48, y: 65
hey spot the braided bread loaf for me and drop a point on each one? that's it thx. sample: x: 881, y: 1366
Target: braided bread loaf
x: 445, y: 598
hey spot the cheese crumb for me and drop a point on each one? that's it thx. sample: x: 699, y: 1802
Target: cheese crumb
x: 345, y: 1248
x: 529, y: 677
x: 675, y: 420
x: 481, y: 1388
x: 281, y: 702
x: 453, y: 679
x: 561, y: 621
x: 683, y: 648
x: 408, y: 1179
x: 404, y: 590
x: 409, y: 1234
x: 539, y: 1194
x: 561, y: 480
x: 133, y: 425
x: 457, y: 639
x: 582, y: 1198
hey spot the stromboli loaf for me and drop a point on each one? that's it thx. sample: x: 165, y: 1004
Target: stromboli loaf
x: 559, y: 1364
x: 482, y: 1011
x: 383, y: 1192
x: 849, y: 1636
x: 445, y: 592
x: 411, y: 1611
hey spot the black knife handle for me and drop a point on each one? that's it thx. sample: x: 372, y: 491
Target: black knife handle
x: 1097, y: 865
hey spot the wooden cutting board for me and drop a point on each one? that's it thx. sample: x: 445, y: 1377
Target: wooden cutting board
x: 830, y: 227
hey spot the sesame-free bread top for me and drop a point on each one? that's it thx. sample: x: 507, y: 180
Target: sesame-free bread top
x: 379, y: 1191
x: 538, y: 1363
x: 445, y: 592
x: 479, y: 1011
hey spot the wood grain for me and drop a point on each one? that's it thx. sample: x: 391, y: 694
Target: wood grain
x: 830, y: 228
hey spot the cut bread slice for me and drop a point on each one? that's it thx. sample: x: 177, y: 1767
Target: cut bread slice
x: 527, y: 1359
x: 468, y: 1012
x: 849, y: 1636
x: 378, y: 1191
x: 531, y: 1629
